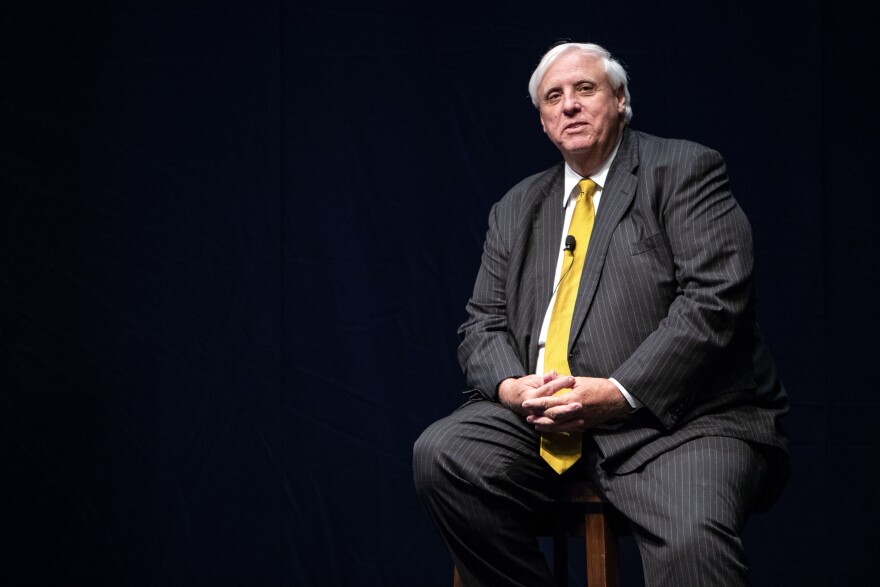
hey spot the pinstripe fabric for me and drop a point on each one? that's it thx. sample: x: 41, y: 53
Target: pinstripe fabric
x: 665, y: 307
x: 666, y: 304
x: 478, y: 473
x: 709, y: 504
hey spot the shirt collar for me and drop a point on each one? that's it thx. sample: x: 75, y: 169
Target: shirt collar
x: 601, y: 175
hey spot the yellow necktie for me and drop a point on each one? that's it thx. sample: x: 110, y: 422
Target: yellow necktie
x: 562, y: 450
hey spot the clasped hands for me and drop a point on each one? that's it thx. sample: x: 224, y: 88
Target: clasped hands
x: 588, y: 402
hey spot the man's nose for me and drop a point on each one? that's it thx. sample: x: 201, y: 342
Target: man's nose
x: 570, y: 105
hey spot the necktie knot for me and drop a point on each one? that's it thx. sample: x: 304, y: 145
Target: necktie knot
x: 586, y: 188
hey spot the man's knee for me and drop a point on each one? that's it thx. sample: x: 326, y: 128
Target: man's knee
x: 427, y: 456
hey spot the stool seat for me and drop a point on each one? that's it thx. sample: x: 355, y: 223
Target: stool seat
x: 581, y: 511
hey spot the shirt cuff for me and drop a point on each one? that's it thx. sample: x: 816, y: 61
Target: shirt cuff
x: 636, y: 404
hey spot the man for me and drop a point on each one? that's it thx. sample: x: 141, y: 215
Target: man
x: 611, y: 336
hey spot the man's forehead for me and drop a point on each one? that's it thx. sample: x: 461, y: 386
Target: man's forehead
x: 574, y: 66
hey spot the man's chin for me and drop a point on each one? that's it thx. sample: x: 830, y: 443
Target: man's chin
x: 576, y: 149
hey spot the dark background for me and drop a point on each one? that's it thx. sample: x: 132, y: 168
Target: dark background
x: 237, y: 237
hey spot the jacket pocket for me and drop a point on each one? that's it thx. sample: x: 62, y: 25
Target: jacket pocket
x: 647, y: 244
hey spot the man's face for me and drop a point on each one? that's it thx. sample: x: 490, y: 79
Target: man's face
x: 580, y: 112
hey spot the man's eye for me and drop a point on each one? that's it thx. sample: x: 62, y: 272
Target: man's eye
x: 553, y: 97
x: 585, y: 89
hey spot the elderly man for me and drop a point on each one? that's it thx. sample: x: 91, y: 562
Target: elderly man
x: 611, y: 336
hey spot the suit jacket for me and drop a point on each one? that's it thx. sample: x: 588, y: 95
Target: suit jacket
x: 665, y: 304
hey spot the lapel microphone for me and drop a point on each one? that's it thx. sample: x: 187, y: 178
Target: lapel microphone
x: 570, y: 246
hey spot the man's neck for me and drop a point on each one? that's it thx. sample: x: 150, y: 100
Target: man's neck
x: 589, y: 163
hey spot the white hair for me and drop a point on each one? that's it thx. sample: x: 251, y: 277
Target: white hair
x: 615, y: 71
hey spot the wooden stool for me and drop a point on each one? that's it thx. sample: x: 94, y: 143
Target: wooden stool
x: 582, y: 512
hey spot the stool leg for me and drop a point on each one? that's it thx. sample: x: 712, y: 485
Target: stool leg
x: 602, y: 569
x: 456, y: 580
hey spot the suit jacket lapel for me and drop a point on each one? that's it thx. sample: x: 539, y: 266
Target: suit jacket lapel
x: 548, y: 220
x: 617, y: 194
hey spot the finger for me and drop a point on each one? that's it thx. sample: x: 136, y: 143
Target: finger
x: 564, y: 412
x: 532, y: 410
x: 550, y: 376
x: 558, y: 413
x: 537, y: 405
x: 560, y: 383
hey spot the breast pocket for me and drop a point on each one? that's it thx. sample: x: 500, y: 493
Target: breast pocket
x: 646, y: 244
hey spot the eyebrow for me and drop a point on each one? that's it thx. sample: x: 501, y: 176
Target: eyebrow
x: 575, y: 84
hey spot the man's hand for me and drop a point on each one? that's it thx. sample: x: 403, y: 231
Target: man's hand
x: 514, y: 391
x: 590, y: 402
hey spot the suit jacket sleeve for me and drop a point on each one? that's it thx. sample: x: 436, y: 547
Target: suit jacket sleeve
x: 691, y: 350
x: 488, y: 351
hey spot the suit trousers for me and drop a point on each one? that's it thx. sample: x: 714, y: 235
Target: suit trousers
x: 480, y: 476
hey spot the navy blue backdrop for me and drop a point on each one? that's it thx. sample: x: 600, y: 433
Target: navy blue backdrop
x: 237, y: 237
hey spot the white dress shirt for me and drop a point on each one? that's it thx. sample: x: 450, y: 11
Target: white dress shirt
x: 569, y: 201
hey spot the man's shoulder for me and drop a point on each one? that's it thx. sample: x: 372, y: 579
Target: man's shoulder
x: 535, y: 186
x: 665, y: 148
x: 541, y: 180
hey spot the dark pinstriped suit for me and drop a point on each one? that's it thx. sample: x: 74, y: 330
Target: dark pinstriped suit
x: 665, y: 307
